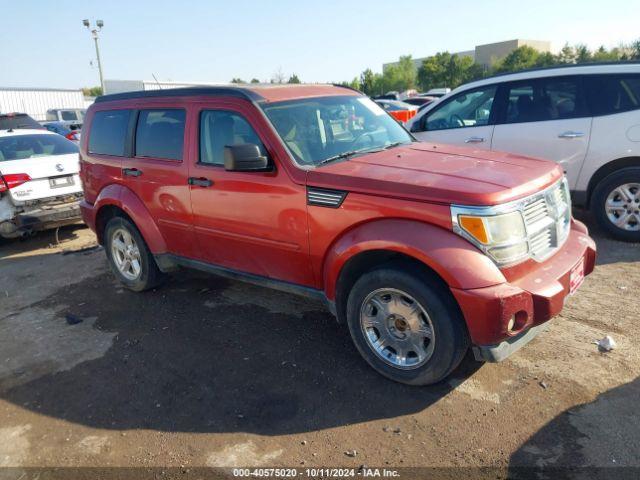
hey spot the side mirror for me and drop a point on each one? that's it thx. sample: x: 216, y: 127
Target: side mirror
x: 245, y: 157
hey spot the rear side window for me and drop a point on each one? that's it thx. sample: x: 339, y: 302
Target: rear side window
x: 160, y: 134
x: 613, y: 93
x: 108, y: 132
x: 220, y: 128
x: 544, y: 99
x: 22, y: 147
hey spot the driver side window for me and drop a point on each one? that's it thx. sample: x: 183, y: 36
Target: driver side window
x: 467, y: 109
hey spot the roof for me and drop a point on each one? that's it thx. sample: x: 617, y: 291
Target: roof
x: 25, y: 131
x: 252, y: 92
x: 573, y: 69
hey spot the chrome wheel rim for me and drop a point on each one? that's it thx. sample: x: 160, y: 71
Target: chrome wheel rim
x: 623, y: 207
x: 397, y: 328
x: 126, y: 254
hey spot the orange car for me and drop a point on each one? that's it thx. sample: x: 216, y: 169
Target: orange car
x: 401, y: 111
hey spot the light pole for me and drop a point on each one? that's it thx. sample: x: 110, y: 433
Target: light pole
x: 94, y: 33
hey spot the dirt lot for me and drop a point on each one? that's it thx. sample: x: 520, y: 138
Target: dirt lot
x: 208, y: 372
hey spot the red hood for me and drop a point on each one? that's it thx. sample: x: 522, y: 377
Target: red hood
x: 440, y: 173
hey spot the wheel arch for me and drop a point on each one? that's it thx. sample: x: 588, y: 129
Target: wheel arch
x: 441, y: 254
x: 117, y: 200
x: 607, y: 169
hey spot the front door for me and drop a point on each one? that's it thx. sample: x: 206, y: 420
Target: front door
x: 253, y: 222
x: 545, y: 118
x: 466, y: 119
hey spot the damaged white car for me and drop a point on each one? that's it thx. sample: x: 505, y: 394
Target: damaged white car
x: 39, y: 183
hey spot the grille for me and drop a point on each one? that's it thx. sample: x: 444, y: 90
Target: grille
x: 547, y: 218
x: 325, y: 198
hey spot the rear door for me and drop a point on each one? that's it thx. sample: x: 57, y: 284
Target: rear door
x: 45, y: 165
x: 545, y: 118
x: 465, y: 119
x: 157, y: 174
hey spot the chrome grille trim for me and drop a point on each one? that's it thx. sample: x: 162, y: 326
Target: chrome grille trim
x: 323, y: 197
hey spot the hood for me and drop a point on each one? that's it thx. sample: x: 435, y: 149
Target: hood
x: 440, y: 174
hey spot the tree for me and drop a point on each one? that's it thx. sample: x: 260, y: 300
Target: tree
x: 237, y: 80
x: 255, y: 80
x: 367, y: 81
x: 582, y: 53
x: 293, y: 79
x: 446, y: 70
x: 92, y: 91
x: 567, y: 54
x: 518, y: 59
x: 278, y: 76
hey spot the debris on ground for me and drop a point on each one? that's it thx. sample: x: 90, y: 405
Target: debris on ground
x: 544, y: 385
x: 351, y: 453
x: 80, y: 250
x: 606, y: 344
x: 73, y: 319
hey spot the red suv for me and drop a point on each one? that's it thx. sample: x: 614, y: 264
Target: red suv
x: 423, y: 250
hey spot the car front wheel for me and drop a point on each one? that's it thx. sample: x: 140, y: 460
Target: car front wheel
x: 406, y: 325
x: 616, y: 204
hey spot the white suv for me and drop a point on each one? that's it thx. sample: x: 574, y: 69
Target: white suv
x: 585, y: 117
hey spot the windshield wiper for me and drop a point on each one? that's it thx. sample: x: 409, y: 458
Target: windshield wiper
x: 393, y: 145
x: 342, y: 155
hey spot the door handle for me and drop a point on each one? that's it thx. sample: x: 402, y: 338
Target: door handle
x: 474, y: 140
x: 200, y: 181
x: 131, y: 172
x: 571, y: 134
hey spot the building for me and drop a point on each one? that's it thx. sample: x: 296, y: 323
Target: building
x: 120, y: 86
x: 36, y: 101
x: 486, y: 55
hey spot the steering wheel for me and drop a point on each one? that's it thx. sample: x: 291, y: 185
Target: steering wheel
x: 458, y: 120
x: 358, y: 140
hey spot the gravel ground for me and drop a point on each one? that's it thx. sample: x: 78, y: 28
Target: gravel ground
x: 205, y: 372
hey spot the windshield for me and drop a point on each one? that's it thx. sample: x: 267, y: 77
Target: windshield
x: 317, y: 129
x: 19, y: 147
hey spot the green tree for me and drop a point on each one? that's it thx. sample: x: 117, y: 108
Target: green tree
x: 237, y: 80
x: 255, y: 80
x: 294, y: 79
x: 446, y: 70
x: 567, y: 54
x: 92, y: 91
x: 367, y: 81
x: 582, y: 54
x: 519, y: 59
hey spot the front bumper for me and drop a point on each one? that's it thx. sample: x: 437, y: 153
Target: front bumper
x: 534, y: 293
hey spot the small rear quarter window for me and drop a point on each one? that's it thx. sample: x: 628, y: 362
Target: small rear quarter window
x: 108, y: 132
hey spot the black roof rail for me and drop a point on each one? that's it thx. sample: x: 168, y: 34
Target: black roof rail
x: 347, y: 87
x: 237, y: 92
x: 564, y: 65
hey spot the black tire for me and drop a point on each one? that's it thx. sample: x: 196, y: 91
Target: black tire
x: 150, y: 276
x: 602, y: 192
x: 451, y: 336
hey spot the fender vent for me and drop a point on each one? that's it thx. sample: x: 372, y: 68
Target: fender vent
x: 323, y: 197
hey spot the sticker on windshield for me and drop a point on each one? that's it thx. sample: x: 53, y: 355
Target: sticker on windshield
x: 372, y: 106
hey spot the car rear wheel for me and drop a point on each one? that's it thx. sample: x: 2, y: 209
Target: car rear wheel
x: 616, y: 204
x: 406, y: 325
x: 129, y: 257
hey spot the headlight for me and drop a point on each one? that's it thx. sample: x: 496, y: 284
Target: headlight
x: 501, y: 236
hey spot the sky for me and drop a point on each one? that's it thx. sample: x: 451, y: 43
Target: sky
x: 44, y: 44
